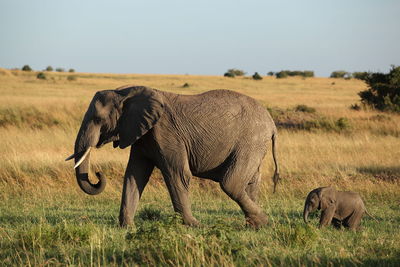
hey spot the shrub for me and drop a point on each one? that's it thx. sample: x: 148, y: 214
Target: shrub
x: 229, y: 74
x: 305, y: 108
x: 355, y: 107
x: 383, y: 91
x: 49, y: 68
x: 297, y: 119
x: 271, y: 73
x: 71, y: 70
x: 26, y: 68
x: 185, y: 85
x: 257, y: 76
x: 339, y: 74
x: 41, y: 76
x: 343, y: 124
x: 60, y: 70
x: 71, y: 78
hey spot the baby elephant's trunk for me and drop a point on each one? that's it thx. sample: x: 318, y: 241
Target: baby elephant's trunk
x: 305, y: 213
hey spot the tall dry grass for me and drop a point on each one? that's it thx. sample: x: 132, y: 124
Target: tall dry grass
x: 39, y: 120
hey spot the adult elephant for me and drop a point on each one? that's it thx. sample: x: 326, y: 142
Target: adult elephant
x: 219, y: 135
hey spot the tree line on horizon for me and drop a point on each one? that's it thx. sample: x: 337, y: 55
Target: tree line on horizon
x: 360, y: 75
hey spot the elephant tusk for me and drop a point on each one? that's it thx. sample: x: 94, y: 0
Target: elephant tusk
x: 70, y: 157
x: 82, y: 158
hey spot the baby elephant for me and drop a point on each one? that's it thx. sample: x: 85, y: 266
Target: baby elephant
x: 337, y: 207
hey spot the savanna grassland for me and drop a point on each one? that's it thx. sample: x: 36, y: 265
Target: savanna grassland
x: 45, y: 219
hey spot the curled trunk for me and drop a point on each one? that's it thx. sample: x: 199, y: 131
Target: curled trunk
x: 88, y: 137
x: 305, y: 213
x: 82, y: 177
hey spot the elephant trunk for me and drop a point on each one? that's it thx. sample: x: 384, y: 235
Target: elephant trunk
x: 83, y: 144
x: 306, y: 212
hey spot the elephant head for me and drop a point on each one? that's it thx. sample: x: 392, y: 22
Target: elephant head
x: 319, y: 199
x: 120, y: 116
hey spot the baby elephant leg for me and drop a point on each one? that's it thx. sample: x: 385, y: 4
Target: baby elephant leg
x: 327, y: 216
x: 336, y: 223
x: 354, y: 220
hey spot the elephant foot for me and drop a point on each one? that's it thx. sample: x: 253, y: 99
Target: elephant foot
x: 256, y: 221
x: 124, y: 223
x: 191, y: 221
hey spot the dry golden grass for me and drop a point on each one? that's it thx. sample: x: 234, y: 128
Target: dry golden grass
x: 47, y: 220
x: 39, y: 120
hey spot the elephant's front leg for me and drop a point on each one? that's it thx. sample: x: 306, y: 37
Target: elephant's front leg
x: 136, y: 177
x: 327, y: 216
x: 178, y: 186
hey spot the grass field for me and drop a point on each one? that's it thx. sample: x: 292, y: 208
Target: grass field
x: 45, y: 219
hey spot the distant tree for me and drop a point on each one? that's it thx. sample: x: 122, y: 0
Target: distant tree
x: 237, y: 72
x: 229, y: 74
x: 308, y: 73
x: 60, y: 70
x: 71, y: 70
x: 282, y: 74
x: 257, y: 76
x: 234, y: 72
x: 271, y: 73
x: 339, y: 74
x: 348, y: 76
x: 383, y: 91
x: 360, y: 75
x: 286, y: 73
x: 26, y: 68
x: 49, y: 68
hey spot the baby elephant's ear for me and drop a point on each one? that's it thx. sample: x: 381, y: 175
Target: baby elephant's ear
x: 327, y: 197
x: 141, y: 110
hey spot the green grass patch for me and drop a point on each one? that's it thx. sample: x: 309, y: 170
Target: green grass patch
x: 82, y: 230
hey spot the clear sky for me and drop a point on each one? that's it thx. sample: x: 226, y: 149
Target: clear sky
x: 200, y: 37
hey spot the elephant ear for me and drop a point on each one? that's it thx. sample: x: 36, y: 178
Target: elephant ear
x: 142, y: 107
x: 327, y: 197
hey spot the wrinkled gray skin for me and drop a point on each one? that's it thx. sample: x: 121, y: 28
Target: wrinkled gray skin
x: 337, y: 207
x: 219, y: 135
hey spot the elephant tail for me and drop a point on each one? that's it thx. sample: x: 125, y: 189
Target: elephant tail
x: 276, y: 177
x: 371, y: 215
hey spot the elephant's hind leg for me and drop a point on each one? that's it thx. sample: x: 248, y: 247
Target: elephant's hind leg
x: 354, y: 220
x: 238, y: 189
x: 253, y: 188
x: 137, y: 175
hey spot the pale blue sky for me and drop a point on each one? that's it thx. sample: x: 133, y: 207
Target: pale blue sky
x: 200, y: 37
